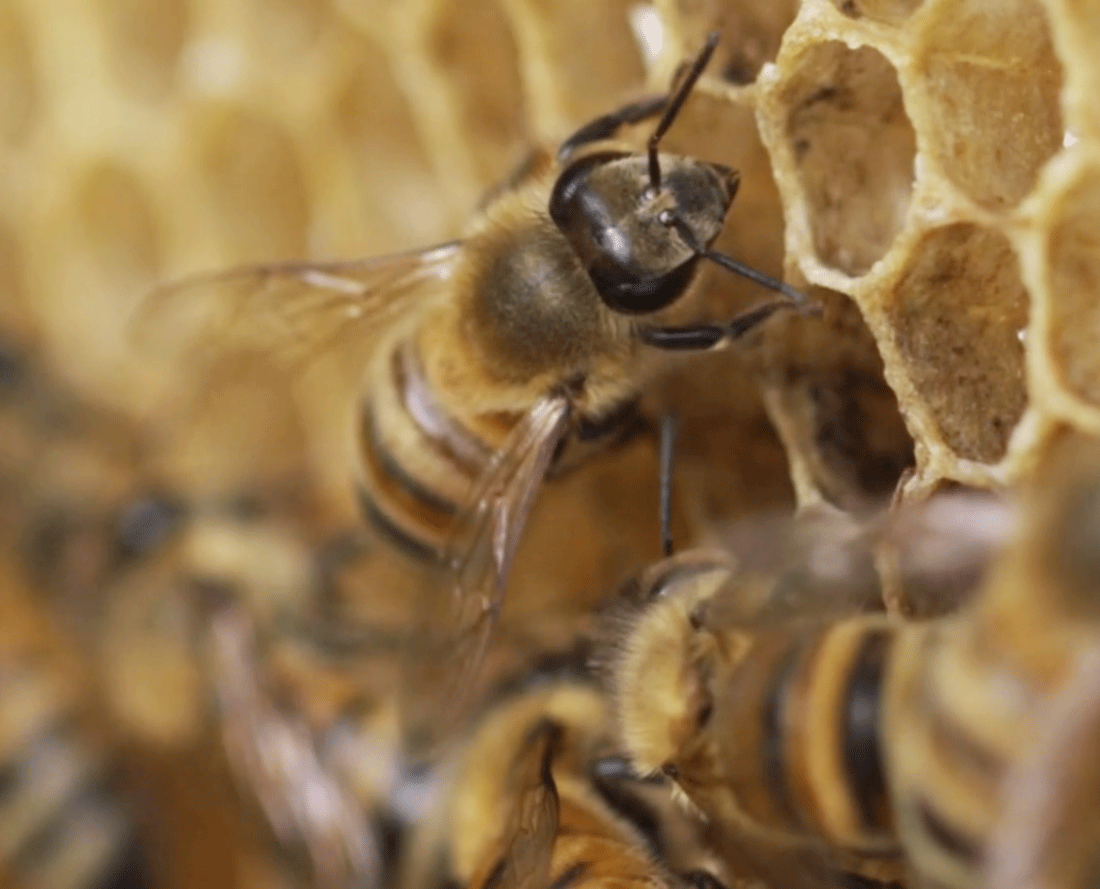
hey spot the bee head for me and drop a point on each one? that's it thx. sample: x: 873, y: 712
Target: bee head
x: 640, y: 243
x: 640, y: 223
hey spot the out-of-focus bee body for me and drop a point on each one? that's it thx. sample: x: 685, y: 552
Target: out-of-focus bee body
x: 866, y: 734
x: 66, y: 463
x: 479, y: 361
x: 171, y: 602
x: 741, y: 760
x: 64, y: 824
x: 975, y: 702
x: 210, y: 628
x: 528, y: 801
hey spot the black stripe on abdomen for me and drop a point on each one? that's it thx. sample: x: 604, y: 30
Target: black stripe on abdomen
x: 861, y: 748
x: 773, y: 754
x: 413, y: 504
x: 386, y: 465
x: 396, y: 536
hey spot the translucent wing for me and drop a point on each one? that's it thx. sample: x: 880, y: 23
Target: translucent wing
x: 294, y: 311
x: 830, y: 565
x: 532, y: 826
x: 274, y: 756
x: 442, y: 665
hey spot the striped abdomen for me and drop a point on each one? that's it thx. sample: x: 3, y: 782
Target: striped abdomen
x: 418, y: 463
x: 950, y: 740
x: 799, y: 731
x: 594, y: 848
x: 61, y: 826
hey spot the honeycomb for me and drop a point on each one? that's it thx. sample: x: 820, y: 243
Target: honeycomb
x: 930, y: 171
x: 934, y: 163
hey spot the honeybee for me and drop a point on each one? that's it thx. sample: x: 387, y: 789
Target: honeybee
x: 65, y: 465
x: 863, y: 734
x: 64, y: 822
x: 482, y: 358
x: 533, y: 798
x: 210, y: 625
x: 1047, y: 833
x: 134, y: 568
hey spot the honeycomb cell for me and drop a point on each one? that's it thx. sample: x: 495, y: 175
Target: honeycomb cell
x: 957, y: 312
x: 473, y: 46
x: 393, y: 176
x: 19, y: 89
x: 1076, y: 29
x: 890, y: 12
x: 144, y: 40
x: 750, y: 32
x: 255, y: 184
x: 118, y: 227
x: 1072, y: 284
x: 992, y: 83
x: 853, y: 147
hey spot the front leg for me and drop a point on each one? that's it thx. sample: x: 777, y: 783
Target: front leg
x: 700, y: 337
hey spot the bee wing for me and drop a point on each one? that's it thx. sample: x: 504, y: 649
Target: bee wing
x: 814, y: 567
x: 829, y: 564
x: 294, y: 311
x: 532, y: 825
x: 442, y: 664
x: 275, y: 758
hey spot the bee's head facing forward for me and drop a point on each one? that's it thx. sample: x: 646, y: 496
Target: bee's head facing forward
x: 640, y: 242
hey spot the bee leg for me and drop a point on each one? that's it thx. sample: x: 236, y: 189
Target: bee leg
x: 701, y: 337
x: 606, y: 125
x: 668, y: 449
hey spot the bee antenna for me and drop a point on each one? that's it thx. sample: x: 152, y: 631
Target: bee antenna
x: 675, y: 104
x: 802, y: 302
